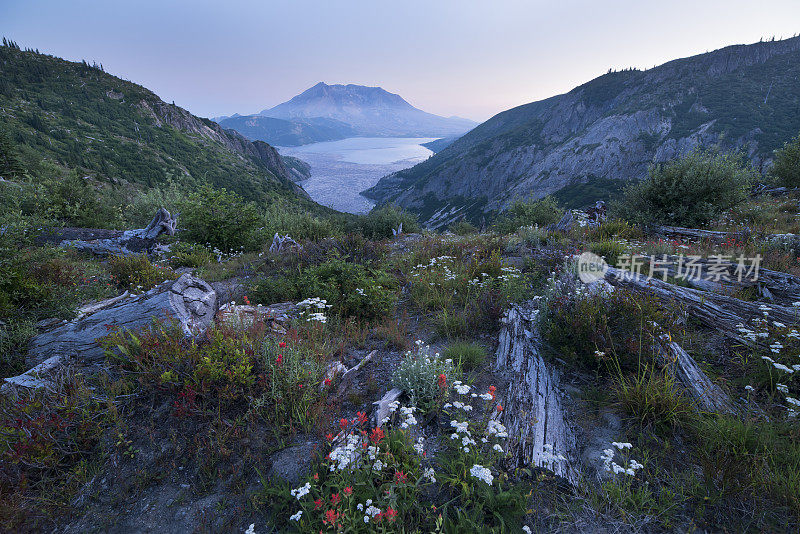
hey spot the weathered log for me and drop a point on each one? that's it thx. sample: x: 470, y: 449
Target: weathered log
x: 382, y: 410
x: 720, y: 275
x: 715, y: 235
x: 37, y: 377
x: 188, y: 300
x: 533, y: 414
x: 707, y: 396
x: 722, y: 312
x: 129, y: 241
x: 566, y: 223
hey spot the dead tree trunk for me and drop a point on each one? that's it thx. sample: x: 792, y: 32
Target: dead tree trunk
x: 130, y: 241
x: 722, y: 312
x: 188, y: 300
x: 532, y: 413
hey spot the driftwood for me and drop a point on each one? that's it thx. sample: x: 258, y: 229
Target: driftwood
x: 348, y: 375
x: 129, y: 241
x: 532, y: 413
x: 397, y: 231
x: 188, y: 300
x: 722, y: 312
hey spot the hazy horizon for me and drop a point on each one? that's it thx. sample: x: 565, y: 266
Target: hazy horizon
x: 449, y: 58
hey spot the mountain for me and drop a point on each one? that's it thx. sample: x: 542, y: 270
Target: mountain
x: 120, y: 134
x: 609, y: 130
x: 283, y: 132
x: 437, y: 145
x: 370, y: 111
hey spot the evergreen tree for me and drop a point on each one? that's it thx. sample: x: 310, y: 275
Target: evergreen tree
x: 787, y: 163
x: 10, y: 165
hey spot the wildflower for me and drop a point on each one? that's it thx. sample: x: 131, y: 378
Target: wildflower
x: 282, y: 344
x: 361, y: 418
x: 297, y: 516
x: 400, y: 477
x: 499, y: 407
x: 390, y: 514
x: 251, y: 529
x: 429, y: 473
x: 279, y: 360
x: 377, y: 435
x: 621, y: 446
x: 749, y: 388
x: 442, y: 381
x: 317, y: 504
x: 526, y: 529
x: 348, y: 490
x: 482, y: 473
x: 378, y: 465
x: 498, y: 448
x: 329, y: 436
x: 343, y: 422
x: 302, y: 491
x: 330, y: 517
x: 335, y: 499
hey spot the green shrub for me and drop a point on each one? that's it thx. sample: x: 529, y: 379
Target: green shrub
x: 379, y: 223
x: 419, y: 375
x: 539, y: 212
x: 786, y: 167
x: 463, y: 227
x: 299, y: 224
x: 609, y: 249
x: 690, y: 191
x: 352, y: 289
x: 137, y: 272
x: 468, y: 356
x: 189, y: 255
x: 220, y: 219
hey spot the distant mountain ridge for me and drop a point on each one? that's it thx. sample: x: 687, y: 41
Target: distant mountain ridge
x: 330, y: 112
x: 283, y: 132
x: 607, y: 131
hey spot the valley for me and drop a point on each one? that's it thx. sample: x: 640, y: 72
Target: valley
x: 340, y: 170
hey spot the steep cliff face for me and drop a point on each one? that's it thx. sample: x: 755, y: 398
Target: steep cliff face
x: 744, y: 97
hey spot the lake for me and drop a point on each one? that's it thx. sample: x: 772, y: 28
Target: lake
x: 341, y: 170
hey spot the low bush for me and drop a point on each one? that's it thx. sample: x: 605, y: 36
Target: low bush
x: 463, y: 227
x: 690, y: 191
x: 539, y: 212
x: 137, y: 272
x: 184, y: 254
x: 380, y: 222
x: 423, y: 377
x: 786, y: 168
x: 220, y: 219
x: 351, y: 289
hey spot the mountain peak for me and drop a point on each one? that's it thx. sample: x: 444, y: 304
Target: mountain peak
x: 371, y: 111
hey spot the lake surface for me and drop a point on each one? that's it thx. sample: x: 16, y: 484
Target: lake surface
x: 341, y: 170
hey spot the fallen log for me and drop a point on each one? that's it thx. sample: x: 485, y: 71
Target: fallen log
x: 723, y: 312
x: 707, y: 396
x: 533, y: 414
x: 35, y: 378
x: 188, y: 300
x: 781, y: 288
x: 129, y: 241
x: 716, y: 235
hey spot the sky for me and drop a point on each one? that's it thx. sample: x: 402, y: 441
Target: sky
x: 467, y: 58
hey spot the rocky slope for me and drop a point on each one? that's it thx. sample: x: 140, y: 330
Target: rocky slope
x: 743, y: 97
x: 79, y: 117
x: 370, y: 111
